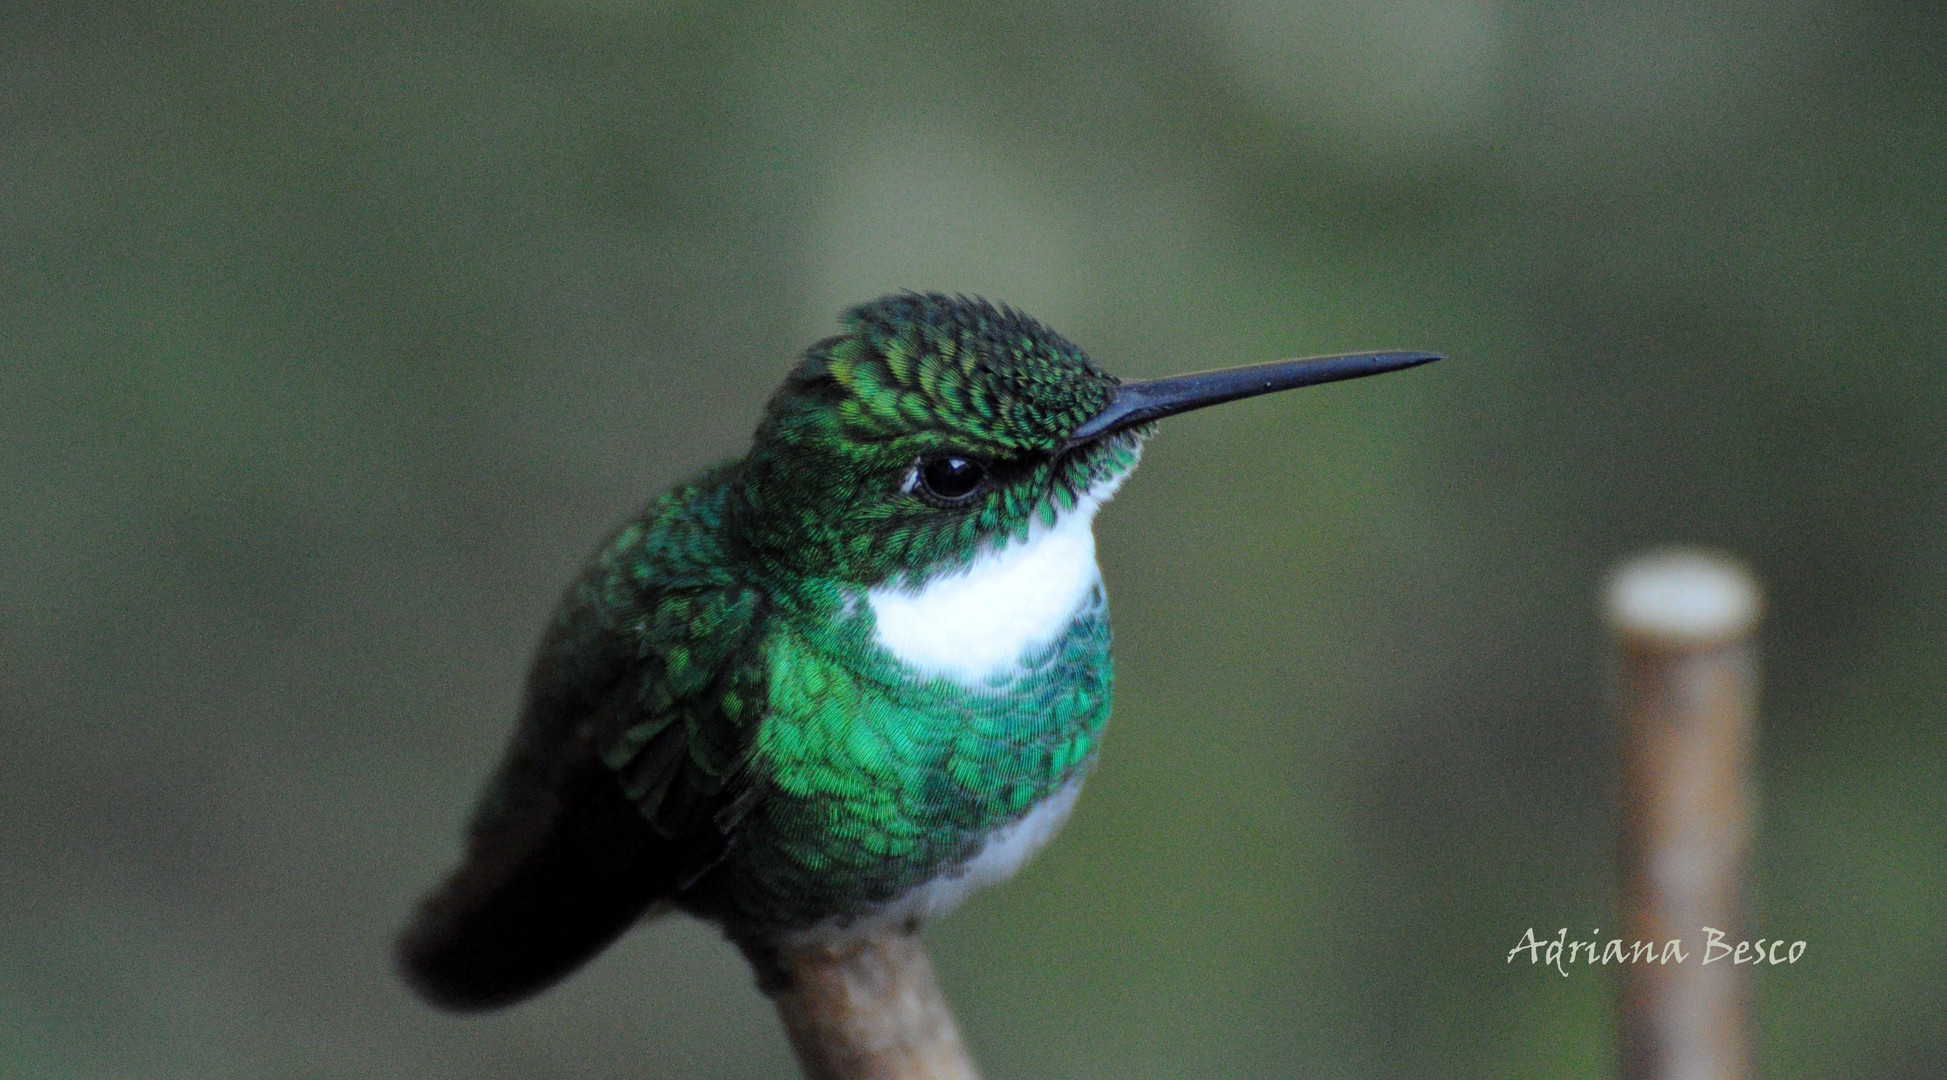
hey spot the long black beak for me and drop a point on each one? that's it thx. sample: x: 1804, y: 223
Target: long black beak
x: 1136, y: 403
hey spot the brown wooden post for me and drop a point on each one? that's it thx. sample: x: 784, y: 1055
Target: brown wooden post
x: 865, y: 1010
x: 1688, y: 670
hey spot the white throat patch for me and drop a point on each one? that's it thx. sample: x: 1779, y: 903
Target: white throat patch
x: 977, y: 622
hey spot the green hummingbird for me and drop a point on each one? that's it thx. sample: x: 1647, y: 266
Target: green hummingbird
x: 829, y: 688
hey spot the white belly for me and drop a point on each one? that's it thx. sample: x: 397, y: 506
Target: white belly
x: 1005, y: 852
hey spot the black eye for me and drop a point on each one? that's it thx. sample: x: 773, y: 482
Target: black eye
x: 950, y: 479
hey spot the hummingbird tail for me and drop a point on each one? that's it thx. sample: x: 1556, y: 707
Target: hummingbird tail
x: 554, y: 872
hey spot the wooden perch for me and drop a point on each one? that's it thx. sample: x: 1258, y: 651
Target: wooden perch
x: 1683, y: 624
x: 864, y: 1010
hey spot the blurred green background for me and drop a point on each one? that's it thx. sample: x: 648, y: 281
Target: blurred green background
x: 333, y: 337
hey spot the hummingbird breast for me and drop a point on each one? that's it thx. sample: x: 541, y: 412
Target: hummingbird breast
x: 999, y: 855
x: 921, y: 744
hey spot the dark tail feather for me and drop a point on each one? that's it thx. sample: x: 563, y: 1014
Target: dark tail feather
x: 553, y: 874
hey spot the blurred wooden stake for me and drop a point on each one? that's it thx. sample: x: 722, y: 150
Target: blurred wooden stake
x: 1683, y: 624
x: 865, y: 1010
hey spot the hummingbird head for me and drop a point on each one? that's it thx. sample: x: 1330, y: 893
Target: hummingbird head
x: 932, y: 426
x: 935, y: 426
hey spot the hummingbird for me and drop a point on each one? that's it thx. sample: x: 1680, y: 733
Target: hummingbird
x: 830, y: 688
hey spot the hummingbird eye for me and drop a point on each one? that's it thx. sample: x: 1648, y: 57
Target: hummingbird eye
x: 949, y: 478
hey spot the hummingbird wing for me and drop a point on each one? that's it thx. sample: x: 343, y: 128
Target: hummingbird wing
x: 625, y: 777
